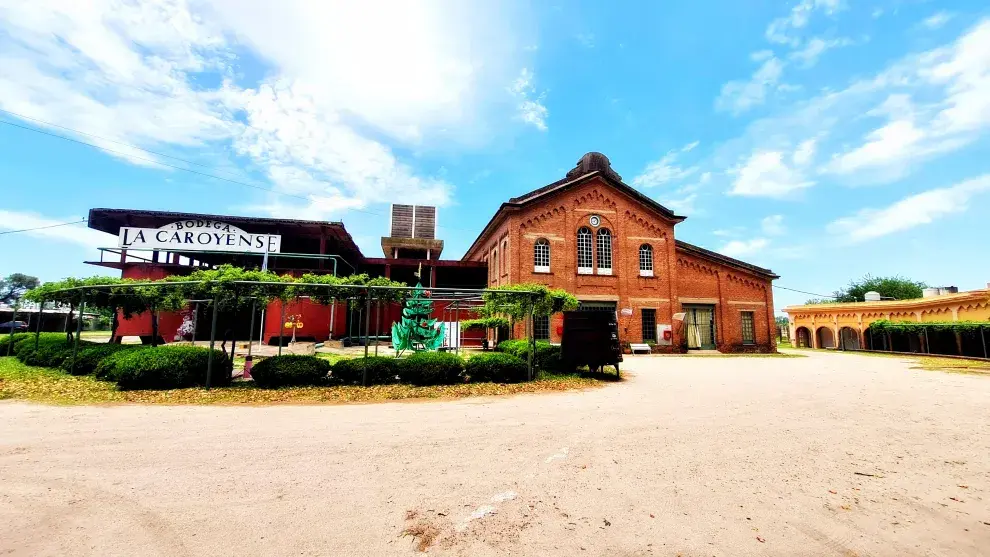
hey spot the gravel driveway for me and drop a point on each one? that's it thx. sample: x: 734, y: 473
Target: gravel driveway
x: 833, y: 454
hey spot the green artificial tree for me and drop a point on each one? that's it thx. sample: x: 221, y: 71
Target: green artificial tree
x: 417, y: 331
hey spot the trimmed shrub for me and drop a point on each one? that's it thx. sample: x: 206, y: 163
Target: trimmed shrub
x: 496, y: 367
x: 290, y: 370
x: 381, y: 370
x: 546, y: 357
x: 21, y: 341
x: 164, y: 367
x: 51, y: 351
x: 432, y: 368
x: 514, y: 347
x: 89, y: 357
x: 5, y: 340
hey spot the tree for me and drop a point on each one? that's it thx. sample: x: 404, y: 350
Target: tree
x: 14, y: 286
x: 416, y: 330
x: 895, y: 287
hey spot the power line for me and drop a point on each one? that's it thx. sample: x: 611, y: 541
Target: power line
x: 101, y: 138
x: 42, y: 227
x: 152, y: 161
x: 803, y: 292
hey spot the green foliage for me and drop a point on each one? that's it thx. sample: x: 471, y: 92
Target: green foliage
x: 52, y: 351
x: 381, y: 370
x: 484, y: 323
x: 14, y: 286
x: 546, y: 357
x: 5, y: 341
x: 497, y: 367
x: 896, y: 287
x: 90, y: 356
x: 541, y: 299
x: 164, y: 367
x: 432, y: 368
x: 966, y: 327
x: 290, y: 370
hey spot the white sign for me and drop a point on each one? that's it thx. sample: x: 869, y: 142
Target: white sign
x: 198, y: 234
x: 627, y: 311
x: 665, y: 335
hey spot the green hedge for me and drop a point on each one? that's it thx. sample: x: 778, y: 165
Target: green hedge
x: 5, y: 341
x: 496, y: 367
x: 432, y: 368
x: 89, y: 357
x: 546, y: 357
x: 381, y: 370
x: 290, y: 370
x: 971, y: 327
x: 164, y: 367
x: 20, y: 341
x: 52, y: 351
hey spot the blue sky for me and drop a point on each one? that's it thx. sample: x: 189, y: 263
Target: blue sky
x: 825, y: 139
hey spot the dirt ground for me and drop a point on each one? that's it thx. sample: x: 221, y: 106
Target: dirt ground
x: 833, y: 454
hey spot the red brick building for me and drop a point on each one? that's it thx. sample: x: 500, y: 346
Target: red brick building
x: 614, y: 248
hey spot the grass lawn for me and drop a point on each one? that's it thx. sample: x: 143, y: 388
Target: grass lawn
x: 50, y: 386
x: 936, y: 363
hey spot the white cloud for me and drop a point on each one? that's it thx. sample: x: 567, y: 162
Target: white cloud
x: 666, y: 169
x: 942, y: 122
x: 919, y: 209
x: 47, y: 228
x: 937, y: 20
x: 740, y: 96
x: 805, y: 152
x: 682, y: 200
x: 808, y: 55
x: 530, y: 110
x: 742, y: 248
x: 761, y: 55
x: 345, y: 84
x: 781, y: 30
x: 767, y: 174
x: 773, y: 225
x: 884, y: 126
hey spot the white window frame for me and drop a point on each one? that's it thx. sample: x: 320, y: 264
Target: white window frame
x: 538, y: 257
x: 600, y: 250
x: 585, y: 240
x: 647, y: 269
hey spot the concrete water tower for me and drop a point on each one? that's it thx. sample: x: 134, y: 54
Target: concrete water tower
x: 872, y: 296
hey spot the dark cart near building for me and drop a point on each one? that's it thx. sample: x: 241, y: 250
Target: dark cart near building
x: 590, y: 338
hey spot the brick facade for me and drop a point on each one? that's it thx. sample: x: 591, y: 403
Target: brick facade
x: 682, y: 273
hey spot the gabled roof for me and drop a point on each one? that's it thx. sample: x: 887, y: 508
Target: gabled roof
x: 723, y: 259
x: 591, y: 165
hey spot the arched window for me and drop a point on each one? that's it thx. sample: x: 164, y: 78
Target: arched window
x: 584, y: 261
x: 646, y: 260
x: 541, y: 256
x: 494, y: 265
x: 604, y: 251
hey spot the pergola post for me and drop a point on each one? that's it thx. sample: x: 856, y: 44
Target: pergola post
x: 532, y: 340
x: 10, y: 339
x: 37, y: 328
x: 281, y: 326
x: 367, y: 326
x: 213, y: 338
x: 75, y: 343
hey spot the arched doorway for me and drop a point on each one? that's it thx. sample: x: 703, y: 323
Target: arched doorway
x: 848, y: 339
x: 825, y: 338
x: 802, y: 337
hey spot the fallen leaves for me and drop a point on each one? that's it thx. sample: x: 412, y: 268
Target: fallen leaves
x: 21, y: 382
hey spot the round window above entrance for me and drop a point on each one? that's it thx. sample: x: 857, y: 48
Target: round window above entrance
x: 595, y: 220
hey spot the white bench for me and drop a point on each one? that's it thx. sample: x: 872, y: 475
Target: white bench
x: 643, y: 347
